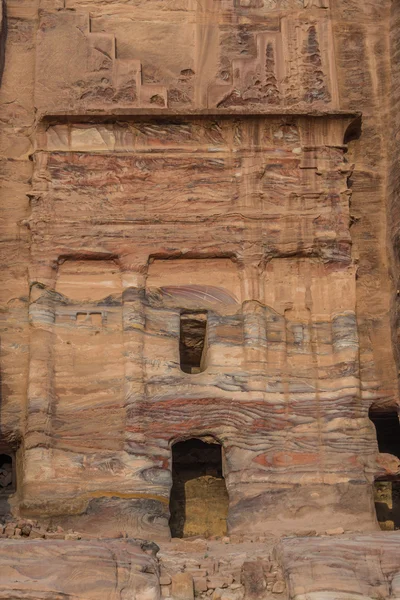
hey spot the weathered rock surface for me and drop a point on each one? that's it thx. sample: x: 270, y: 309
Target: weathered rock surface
x: 281, y: 329
x: 87, y: 569
x: 357, y: 568
x: 199, y: 239
x: 246, y: 217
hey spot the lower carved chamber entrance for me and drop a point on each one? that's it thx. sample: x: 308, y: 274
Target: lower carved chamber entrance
x: 199, y: 500
x: 387, y: 487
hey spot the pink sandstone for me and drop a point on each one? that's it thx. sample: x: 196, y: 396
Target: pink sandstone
x: 200, y: 299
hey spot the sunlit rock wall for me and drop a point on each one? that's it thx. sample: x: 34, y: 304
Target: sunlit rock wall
x: 202, y: 156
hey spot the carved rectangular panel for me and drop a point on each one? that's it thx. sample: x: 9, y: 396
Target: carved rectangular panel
x: 199, y: 183
x: 246, y: 57
x: 88, y: 358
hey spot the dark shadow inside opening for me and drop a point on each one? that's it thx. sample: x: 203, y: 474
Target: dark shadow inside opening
x: 199, y: 499
x: 387, y: 491
x: 7, y: 483
x: 387, y: 504
x: 387, y: 427
x: 193, y: 328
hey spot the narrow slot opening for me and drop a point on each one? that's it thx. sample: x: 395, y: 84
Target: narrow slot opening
x: 199, y: 499
x: 192, y: 341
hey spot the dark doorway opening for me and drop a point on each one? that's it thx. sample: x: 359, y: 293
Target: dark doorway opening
x: 387, y: 427
x: 387, y: 504
x: 7, y: 481
x: 387, y: 490
x: 192, y: 341
x: 199, y: 499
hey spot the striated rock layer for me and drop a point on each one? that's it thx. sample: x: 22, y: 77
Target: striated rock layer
x: 70, y: 569
x: 281, y: 345
x: 199, y: 244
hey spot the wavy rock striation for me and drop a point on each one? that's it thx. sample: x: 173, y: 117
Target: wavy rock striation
x: 198, y: 309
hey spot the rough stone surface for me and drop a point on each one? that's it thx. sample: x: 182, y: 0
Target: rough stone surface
x: 213, y: 181
x: 360, y: 567
x: 253, y: 580
x: 69, y: 569
x: 182, y: 586
x: 272, y: 221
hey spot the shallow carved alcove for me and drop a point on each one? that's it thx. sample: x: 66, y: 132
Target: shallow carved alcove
x: 199, y: 499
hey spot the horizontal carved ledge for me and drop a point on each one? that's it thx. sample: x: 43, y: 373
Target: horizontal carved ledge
x: 147, y: 113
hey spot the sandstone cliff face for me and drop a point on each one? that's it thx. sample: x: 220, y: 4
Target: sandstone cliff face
x: 70, y: 569
x: 394, y: 177
x: 199, y: 241
x: 281, y: 329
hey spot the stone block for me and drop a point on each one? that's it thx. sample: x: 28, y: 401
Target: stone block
x: 200, y: 584
x: 253, y: 580
x: 219, y: 581
x: 278, y: 587
x: 209, y: 566
x: 182, y: 587
x: 227, y: 594
x: 9, y: 529
x: 54, y: 536
x: 197, y: 572
x: 36, y: 534
x: 336, y: 531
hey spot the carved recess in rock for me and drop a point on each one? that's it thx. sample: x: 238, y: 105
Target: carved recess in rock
x: 245, y: 221
x: 253, y: 204
x: 271, y: 78
x: 95, y: 78
x: 218, y: 62
x: 286, y: 352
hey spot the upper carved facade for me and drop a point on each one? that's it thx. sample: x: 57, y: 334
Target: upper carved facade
x: 237, y: 55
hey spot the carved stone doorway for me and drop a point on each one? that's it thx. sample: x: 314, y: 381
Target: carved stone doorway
x: 387, y: 490
x: 199, y: 499
x: 7, y: 479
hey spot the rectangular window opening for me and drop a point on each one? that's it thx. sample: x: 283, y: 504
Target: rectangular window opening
x: 192, y: 341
